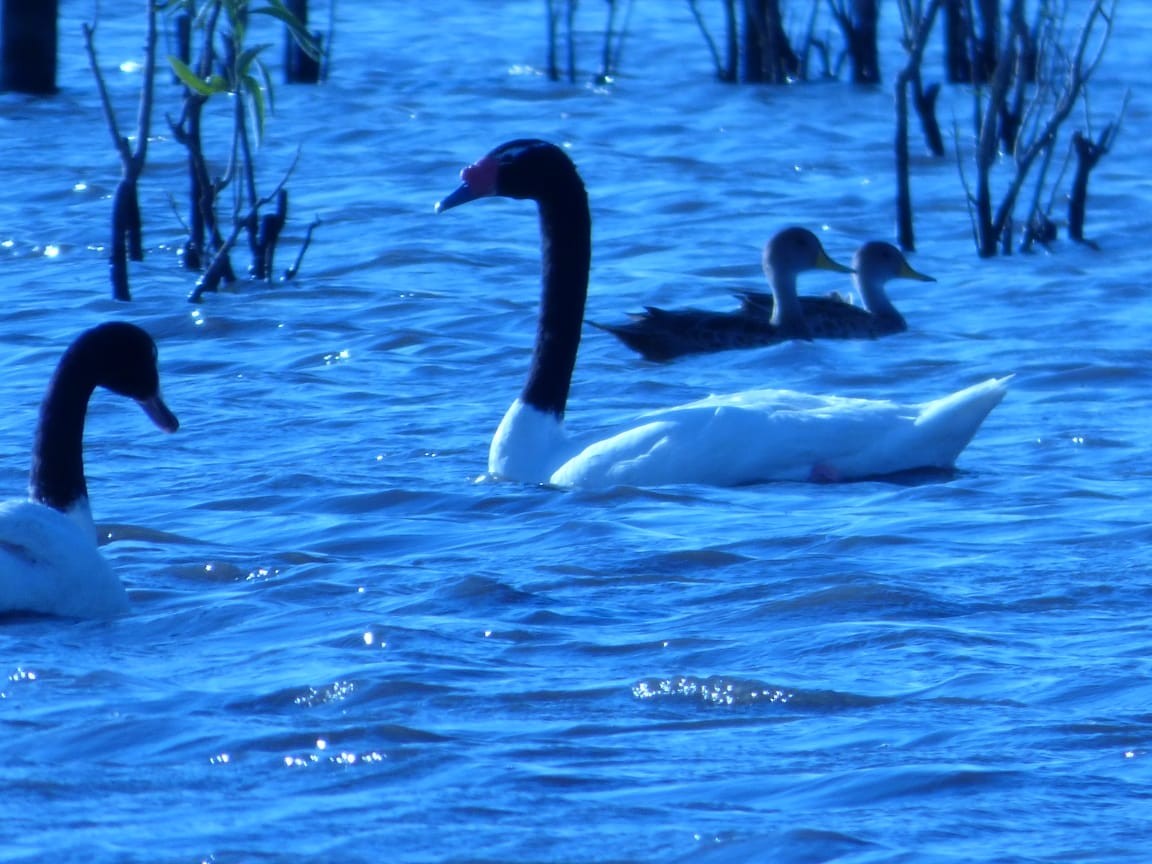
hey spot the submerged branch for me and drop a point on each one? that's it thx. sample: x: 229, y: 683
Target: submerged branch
x: 215, y: 272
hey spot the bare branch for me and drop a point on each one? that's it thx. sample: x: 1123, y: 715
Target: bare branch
x: 291, y: 272
x: 118, y: 140
x: 144, y: 115
x: 712, y: 49
x: 1078, y: 76
x: 213, y: 273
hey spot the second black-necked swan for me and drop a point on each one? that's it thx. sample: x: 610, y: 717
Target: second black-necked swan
x: 50, y: 563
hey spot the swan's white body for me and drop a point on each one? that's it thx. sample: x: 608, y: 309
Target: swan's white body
x: 50, y: 564
x: 754, y: 436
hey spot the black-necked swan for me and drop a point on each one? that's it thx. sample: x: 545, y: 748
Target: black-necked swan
x: 747, y: 437
x: 49, y: 560
x: 664, y: 334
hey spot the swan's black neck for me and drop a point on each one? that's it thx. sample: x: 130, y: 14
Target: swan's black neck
x: 566, y: 254
x: 57, y: 477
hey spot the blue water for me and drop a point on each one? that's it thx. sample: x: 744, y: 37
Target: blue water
x: 344, y: 648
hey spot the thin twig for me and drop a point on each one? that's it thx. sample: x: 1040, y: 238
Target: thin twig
x: 118, y: 140
x: 291, y: 272
x: 707, y: 39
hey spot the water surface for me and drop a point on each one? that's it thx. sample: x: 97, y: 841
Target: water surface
x: 343, y: 647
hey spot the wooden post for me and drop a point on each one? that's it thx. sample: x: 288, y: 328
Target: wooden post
x: 28, y: 46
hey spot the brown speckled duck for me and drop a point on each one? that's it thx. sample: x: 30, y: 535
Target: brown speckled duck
x: 663, y: 334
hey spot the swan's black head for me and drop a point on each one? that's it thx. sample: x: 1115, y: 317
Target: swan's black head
x: 524, y: 168
x: 122, y: 358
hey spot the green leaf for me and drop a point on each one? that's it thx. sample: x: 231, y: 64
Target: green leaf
x: 244, y: 61
x: 299, y: 32
x: 256, y: 96
x: 189, y: 78
x: 267, y: 76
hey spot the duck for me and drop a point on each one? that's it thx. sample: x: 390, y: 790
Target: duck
x: 663, y: 334
x: 50, y: 563
x: 874, y: 265
x: 748, y: 437
x: 765, y: 319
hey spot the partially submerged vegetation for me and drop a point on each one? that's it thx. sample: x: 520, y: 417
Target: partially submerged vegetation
x: 216, y: 66
x: 1026, y: 77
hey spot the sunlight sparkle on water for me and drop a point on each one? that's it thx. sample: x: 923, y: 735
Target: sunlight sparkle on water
x: 51, y: 250
x: 370, y: 639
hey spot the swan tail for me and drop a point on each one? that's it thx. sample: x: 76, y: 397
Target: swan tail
x: 953, y: 420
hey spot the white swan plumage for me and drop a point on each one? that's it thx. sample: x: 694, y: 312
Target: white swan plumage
x: 754, y: 436
x: 50, y: 563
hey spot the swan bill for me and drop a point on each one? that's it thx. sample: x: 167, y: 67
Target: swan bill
x: 159, y: 413
x: 462, y: 195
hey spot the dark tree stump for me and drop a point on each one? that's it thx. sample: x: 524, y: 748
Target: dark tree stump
x: 263, y: 242
x: 299, y: 66
x: 768, y: 54
x: 858, y: 22
x: 924, y: 100
x: 970, y: 55
x: 28, y: 46
x: 126, y: 237
x: 1088, y: 154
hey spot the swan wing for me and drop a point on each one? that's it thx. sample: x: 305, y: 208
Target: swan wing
x: 764, y: 435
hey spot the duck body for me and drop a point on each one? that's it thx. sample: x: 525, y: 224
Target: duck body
x: 663, y: 334
x: 831, y: 317
x: 748, y: 437
x: 50, y: 563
